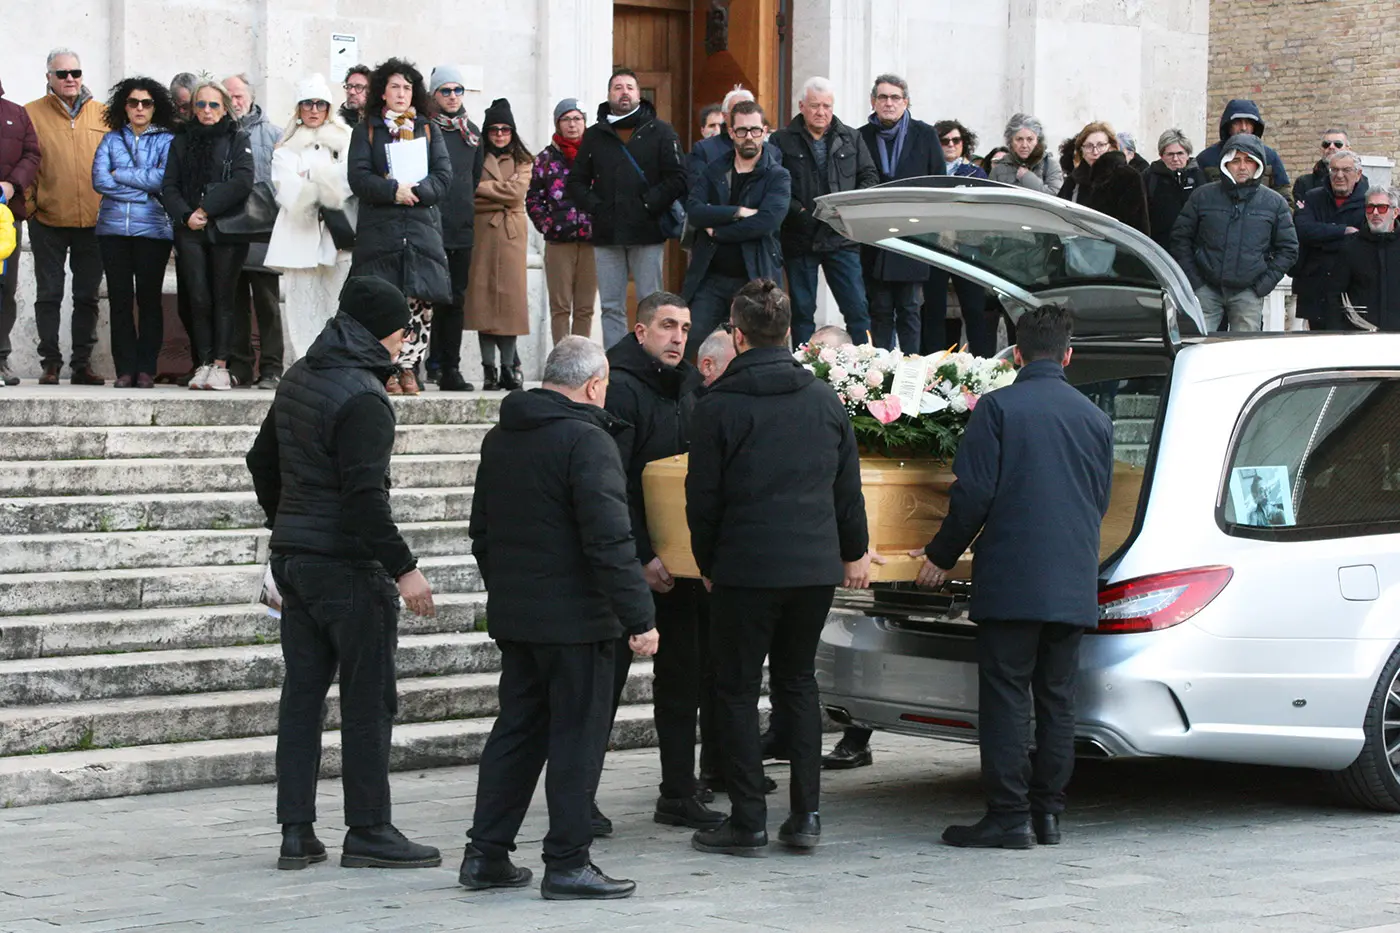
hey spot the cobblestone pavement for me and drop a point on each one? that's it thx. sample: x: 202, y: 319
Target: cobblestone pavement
x: 1149, y: 846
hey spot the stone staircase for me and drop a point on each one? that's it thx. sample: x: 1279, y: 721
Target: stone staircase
x: 132, y: 658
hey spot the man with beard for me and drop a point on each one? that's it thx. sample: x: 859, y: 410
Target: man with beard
x: 1367, y: 273
x: 737, y: 205
x: 356, y: 90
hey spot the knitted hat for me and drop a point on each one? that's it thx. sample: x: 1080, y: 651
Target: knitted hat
x: 376, y: 304
x: 313, y: 87
x: 499, y: 113
x: 567, y: 105
x: 445, y: 74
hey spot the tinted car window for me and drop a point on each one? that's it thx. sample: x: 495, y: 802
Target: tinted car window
x: 1037, y: 260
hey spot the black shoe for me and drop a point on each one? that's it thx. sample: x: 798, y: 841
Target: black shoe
x: 450, y: 380
x: 1047, y: 828
x: 988, y: 833
x: 479, y: 872
x: 383, y: 846
x: 300, y: 847
x: 510, y: 378
x: 583, y: 884
x: 686, y: 811
x: 724, y: 839
x: 270, y: 382
x: 844, y: 758
x: 801, y: 831
x: 488, y: 378
x: 602, y: 826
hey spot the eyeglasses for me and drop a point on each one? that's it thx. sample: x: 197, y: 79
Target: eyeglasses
x: 740, y: 132
x: 575, y: 118
x: 140, y: 103
x: 728, y: 327
x: 1095, y: 147
x: 888, y: 98
x: 498, y: 130
x: 208, y: 105
x: 320, y: 105
x: 355, y: 87
x: 950, y: 140
x: 68, y: 73
x: 451, y: 91
x: 1334, y: 144
x: 1377, y: 208
x: 1344, y: 171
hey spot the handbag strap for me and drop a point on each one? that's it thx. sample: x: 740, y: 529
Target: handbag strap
x: 628, y: 153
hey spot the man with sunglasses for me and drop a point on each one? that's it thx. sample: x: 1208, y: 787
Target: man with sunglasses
x: 1332, y: 140
x: 1331, y: 215
x: 63, y: 215
x: 1367, y: 274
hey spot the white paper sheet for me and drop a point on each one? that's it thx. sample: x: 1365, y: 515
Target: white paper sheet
x: 908, y: 384
x: 408, y: 160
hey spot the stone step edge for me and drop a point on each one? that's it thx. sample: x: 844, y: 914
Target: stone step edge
x: 61, y: 576
x: 145, y: 462
x: 175, y: 498
x: 60, y: 537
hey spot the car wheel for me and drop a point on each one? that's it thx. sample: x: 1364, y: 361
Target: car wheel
x: 1373, y: 779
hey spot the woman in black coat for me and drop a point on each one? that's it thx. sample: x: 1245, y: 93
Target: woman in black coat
x: 1170, y: 181
x: 398, y: 235
x: 209, y: 175
x: 1102, y: 179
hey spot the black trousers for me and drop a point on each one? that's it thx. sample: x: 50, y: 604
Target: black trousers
x: 783, y: 625
x: 896, y: 310
x: 978, y: 328
x: 182, y: 305
x: 209, y: 275
x: 445, y: 344
x: 1014, y: 661
x: 555, y: 705
x: 257, y: 293
x: 9, y: 285
x: 135, y: 269
x: 336, y: 616
x: 52, y: 246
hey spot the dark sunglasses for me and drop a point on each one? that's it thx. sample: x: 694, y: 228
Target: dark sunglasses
x: 950, y: 140
x: 140, y: 103
x: 1333, y: 143
x: 452, y: 91
x: 208, y: 105
x: 70, y: 73
x: 499, y: 129
x: 314, y: 105
x: 728, y: 327
x: 1377, y: 208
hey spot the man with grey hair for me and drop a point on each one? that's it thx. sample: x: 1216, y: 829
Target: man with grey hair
x: 823, y: 155
x: 1365, y: 284
x: 714, y: 356
x: 710, y: 148
x: 257, y: 290
x: 63, y: 225
x: 1333, y: 138
x: 182, y: 93
x: 552, y: 537
x: 1331, y: 215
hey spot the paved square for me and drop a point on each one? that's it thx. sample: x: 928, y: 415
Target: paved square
x: 1150, y: 845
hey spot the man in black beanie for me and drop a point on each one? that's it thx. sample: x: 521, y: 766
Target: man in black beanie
x: 320, y: 468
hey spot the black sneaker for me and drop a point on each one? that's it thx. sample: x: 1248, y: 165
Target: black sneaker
x: 686, y: 811
x: 479, y: 872
x: 724, y: 839
x: 602, y: 826
x: 270, y: 381
x: 583, y: 884
x: 383, y: 846
x: 300, y: 847
x: 801, y: 831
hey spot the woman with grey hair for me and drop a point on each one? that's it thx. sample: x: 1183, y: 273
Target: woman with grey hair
x: 1169, y: 182
x: 1127, y: 144
x: 1027, y: 163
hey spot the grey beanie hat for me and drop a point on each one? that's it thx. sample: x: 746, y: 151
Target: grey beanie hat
x: 565, y: 106
x: 1024, y: 121
x: 445, y: 74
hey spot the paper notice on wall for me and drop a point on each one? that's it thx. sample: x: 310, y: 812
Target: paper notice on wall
x: 345, y: 54
x: 408, y: 160
x: 908, y: 384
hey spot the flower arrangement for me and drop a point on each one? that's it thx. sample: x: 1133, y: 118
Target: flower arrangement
x: 863, y: 377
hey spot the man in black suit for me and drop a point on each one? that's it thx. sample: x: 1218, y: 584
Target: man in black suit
x: 902, y: 147
x: 777, y: 521
x: 1034, y: 471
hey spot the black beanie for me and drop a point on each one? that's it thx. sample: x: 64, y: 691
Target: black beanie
x: 498, y: 113
x: 376, y: 304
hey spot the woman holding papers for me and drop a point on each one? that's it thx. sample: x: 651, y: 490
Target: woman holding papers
x: 400, y: 171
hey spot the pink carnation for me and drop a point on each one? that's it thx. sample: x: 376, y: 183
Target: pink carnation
x: 884, y: 410
x: 857, y: 392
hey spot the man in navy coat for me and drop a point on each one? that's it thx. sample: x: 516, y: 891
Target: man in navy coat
x: 1034, y: 471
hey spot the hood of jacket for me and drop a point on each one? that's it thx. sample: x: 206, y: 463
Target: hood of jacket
x: 647, y: 114
x: 764, y: 371
x: 528, y: 411
x: 253, y: 118
x: 345, y: 343
x: 1250, y: 146
x: 629, y: 356
x: 1240, y: 109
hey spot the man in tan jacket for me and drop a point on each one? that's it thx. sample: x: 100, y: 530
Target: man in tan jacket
x: 63, y: 215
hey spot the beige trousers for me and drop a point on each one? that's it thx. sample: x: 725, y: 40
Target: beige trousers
x: 573, y: 288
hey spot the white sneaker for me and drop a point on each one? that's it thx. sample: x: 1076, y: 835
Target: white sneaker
x: 218, y: 379
x: 201, y: 378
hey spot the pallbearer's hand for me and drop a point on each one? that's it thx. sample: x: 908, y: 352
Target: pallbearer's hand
x: 658, y: 577
x: 930, y: 575
x: 644, y: 644
x: 858, y: 573
x: 417, y: 594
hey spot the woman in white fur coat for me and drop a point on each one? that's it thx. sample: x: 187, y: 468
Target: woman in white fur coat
x: 308, y: 173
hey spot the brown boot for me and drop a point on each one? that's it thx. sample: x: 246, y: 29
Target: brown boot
x: 409, y: 382
x: 50, y: 376
x: 391, y: 385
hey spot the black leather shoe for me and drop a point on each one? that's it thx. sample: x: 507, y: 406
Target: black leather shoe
x: 383, y: 846
x: 602, y: 826
x: 844, y: 758
x: 300, y: 847
x: 988, y: 833
x: 450, y: 380
x: 479, y: 872
x: 686, y: 811
x: 710, y: 785
x: 801, y: 831
x: 724, y: 839
x: 1047, y: 828
x: 583, y: 884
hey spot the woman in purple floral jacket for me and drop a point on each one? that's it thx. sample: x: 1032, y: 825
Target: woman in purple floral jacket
x: 567, y: 229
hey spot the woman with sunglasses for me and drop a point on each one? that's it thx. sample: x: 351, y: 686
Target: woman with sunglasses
x: 133, y: 230
x: 978, y: 330
x: 309, y: 176
x: 210, y: 175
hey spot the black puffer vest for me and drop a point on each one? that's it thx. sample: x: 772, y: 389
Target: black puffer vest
x: 344, y: 363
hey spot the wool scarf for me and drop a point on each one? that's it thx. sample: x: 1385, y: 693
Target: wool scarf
x: 458, y: 122
x: 197, y: 166
x: 400, y: 124
x: 569, y: 147
x: 890, y: 142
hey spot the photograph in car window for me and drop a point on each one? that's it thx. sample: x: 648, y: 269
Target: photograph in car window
x: 1262, y: 495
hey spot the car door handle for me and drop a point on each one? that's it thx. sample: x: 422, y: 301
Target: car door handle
x: 1359, y: 583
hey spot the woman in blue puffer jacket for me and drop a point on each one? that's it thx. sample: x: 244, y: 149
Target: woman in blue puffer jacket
x: 133, y: 229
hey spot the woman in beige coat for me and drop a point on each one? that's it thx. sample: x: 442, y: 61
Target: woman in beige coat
x: 497, y: 301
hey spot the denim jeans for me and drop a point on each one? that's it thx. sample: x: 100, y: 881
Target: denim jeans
x: 895, y: 307
x: 843, y: 277
x: 615, y: 265
x: 1242, y: 310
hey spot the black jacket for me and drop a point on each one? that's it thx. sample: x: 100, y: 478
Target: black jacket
x: 656, y: 402
x: 1317, y: 178
x: 400, y: 244
x: 232, y: 176
x: 459, y: 207
x: 626, y: 209
x: 320, y: 463
x: 1368, y: 273
x: 1034, y: 474
x: 1167, y: 192
x: 708, y: 208
x: 773, y: 493
x: 1322, y: 226
x: 922, y: 155
x: 1110, y: 187
x: 550, y: 528
x: 849, y: 167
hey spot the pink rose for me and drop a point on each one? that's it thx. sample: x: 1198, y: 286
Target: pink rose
x: 839, y: 374
x: 827, y: 355
x: 875, y: 378
x: 857, y: 392
x: 884, y: 410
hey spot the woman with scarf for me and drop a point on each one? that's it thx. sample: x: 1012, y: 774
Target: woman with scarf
x: 209, y: 175
x: 567, y: 228
x: 398, y: 234
x: 1027, y: 164
x: 497, y: 302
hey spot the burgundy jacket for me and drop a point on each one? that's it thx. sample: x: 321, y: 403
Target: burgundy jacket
x: 19, y: 151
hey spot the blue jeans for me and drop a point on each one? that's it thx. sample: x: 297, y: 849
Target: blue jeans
x: 843, y: 277
x: 709, y: 308
x: 896, y: 306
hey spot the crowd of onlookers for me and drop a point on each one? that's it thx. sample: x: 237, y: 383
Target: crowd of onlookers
x: 259, y: 214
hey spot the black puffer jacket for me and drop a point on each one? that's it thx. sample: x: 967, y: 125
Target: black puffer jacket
x: 626, y: 209
x: 1110, y: 187
x: 773, y: 493
x: 459, y: 207
x: 1167, y: 192
x: 655, y: 401
x: 1322, y: 234
x: 1368, y: 273
x: 849, y: 167
x: 550, y: 528
x: 401, y: 244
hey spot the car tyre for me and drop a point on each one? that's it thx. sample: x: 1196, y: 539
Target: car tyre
x: 1373, y: 779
